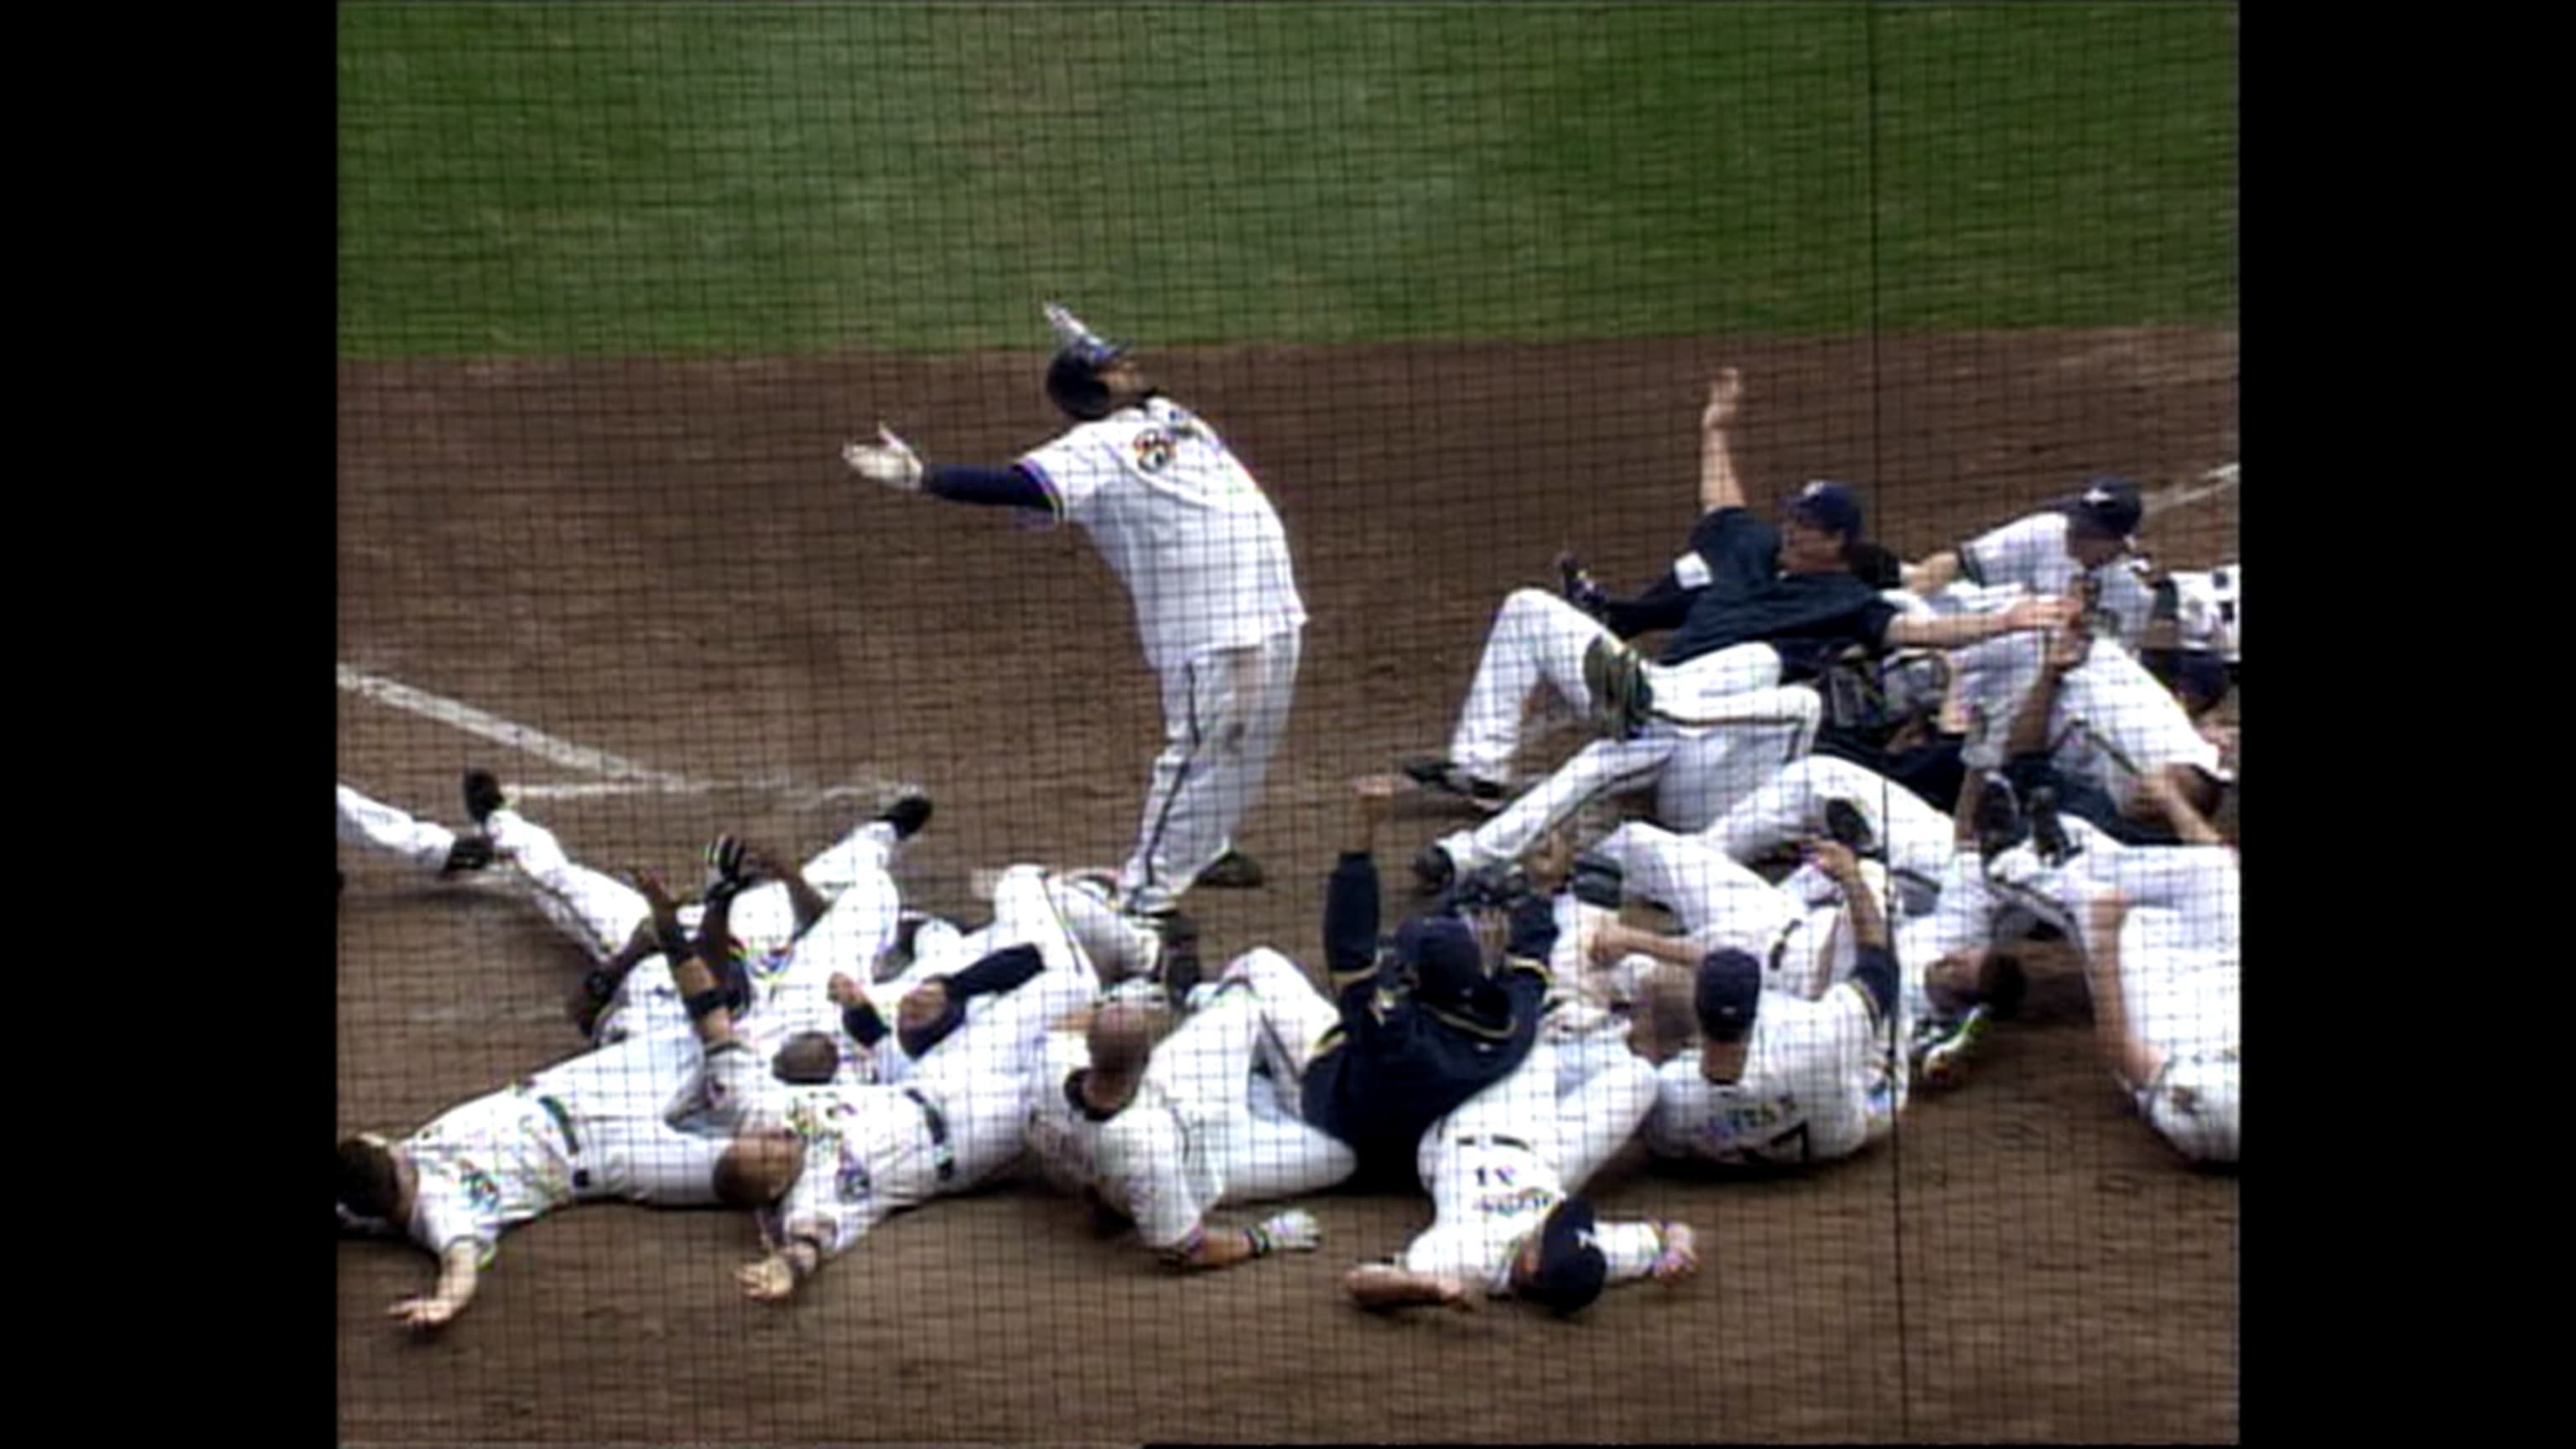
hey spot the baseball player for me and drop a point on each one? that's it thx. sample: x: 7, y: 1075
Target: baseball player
x: 1424, y: 1024
x: 845, y: 891
x: 2084, y: 546
x: 2166, y: 991
x: 1751, y: 607
x: 1183, y: 523
x: 866, y: 1150
x: 1163, y: 1134
x: 1504, y: 1171
x: 2110, y: 741
x: 585, y: 1130
x: 1782, y: 1077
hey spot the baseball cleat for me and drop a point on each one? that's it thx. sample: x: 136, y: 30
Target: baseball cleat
x: 470, y: 852
x: 1433, y: 871
x: 1845, y: 825
x: 482, y: 795
x: 1943, y: 1060
x: 907, y: 816
x: 1232, y: 871
x: 1176, y: 960
x: 1447, y: 779
x: 2047, y: 832
x: 1999, y: 824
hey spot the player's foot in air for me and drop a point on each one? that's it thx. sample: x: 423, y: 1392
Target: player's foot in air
x: 2047, y: 832
x: 1433, y: 870
x: 1445, y: 778
x: 1846, y: 826
x: 1233, y: 871
x: 1942, y: 1052
x: 907, y: 816
x: 482, y: 791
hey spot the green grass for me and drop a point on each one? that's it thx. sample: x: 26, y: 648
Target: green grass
x: 603, y: 179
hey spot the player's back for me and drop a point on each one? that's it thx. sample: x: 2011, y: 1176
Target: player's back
x: 1803, y: 1095
x: 496, y: 1161
x: 1182, y: 523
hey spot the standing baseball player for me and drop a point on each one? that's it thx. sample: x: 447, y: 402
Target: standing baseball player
x: 1752, y: 608
x: 1183, y: 524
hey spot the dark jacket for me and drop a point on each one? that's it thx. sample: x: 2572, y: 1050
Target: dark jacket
x: 1398, y: 1063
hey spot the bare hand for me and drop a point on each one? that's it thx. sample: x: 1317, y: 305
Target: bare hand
x: 1608, y: 944
x: 2049, y: 613
x: 1680, y: 1258
x: 769, y: 1280
x: 423, y: 1313
x: 1723, y: 395
x: 1835, y: 859
x: 657, y: 897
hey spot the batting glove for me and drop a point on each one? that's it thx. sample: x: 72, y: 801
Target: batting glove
x: 726, y: 873
x: 1292, y: 1231
x: 888, y: 460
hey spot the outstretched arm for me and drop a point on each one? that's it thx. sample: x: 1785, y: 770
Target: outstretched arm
x: 1719, y: 487
x: 1952, y: 631
x: 1293, y: 1231
x: 1380, y: 1286
x: 891, y: 461
x: 1351, y: 895
x: 457, y: 1274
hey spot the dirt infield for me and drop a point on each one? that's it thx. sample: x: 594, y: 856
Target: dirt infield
x: 665, y: 561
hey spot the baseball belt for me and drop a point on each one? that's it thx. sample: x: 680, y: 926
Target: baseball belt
x: 1491, y: 1140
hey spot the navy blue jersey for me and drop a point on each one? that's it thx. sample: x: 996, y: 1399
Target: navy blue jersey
x: 1746, y: 599
x: 1397, y: 1064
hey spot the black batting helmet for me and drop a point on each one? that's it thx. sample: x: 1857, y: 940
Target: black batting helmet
x: 1073, y: 378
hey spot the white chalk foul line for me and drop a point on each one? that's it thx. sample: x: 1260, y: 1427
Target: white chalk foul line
x: 501, y: 731
x: 625, y: 776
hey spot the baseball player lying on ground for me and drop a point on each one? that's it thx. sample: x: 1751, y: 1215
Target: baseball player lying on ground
x: 1752, y: 608
x: 1183, y: 523
x: 2108, y: 742
x: 590, y: 1129
x: 867, y: 1150
x: 1162, y: 1134
x: 772, y: 907
x: 1782, y: 1077
x: 1504, y: 1171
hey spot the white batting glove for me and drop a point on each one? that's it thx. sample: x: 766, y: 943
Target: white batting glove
x: 888, y: 460
x: 1294, y: 1231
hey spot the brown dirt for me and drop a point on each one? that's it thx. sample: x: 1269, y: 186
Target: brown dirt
x: 666, y: 561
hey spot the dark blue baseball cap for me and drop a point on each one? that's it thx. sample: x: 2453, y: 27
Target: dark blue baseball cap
x: 1571, y: 1267
x: 1447, y: 963
x: 2109, y: 507
x: 1727, y: 994
x: 1828, y: 505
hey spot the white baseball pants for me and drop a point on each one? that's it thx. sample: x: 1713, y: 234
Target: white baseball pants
x: 1207, y: 1067
x: 373, y: 823
x: 1790, y: 807
x: 1696, y: 772
x: 1223, y: 716
x: 982, y: 1073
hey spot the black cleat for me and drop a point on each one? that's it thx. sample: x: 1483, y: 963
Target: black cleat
x: 1433, y: 870
x: 482, y: 795
x: 1845, y: 825
x: 1176, y: 965
x: 470, y: 852
x: 1232, y: 871
x: 907, y: 816
x: 1447, y: 779
x: 1999, y: 824
x: 2047, y: 832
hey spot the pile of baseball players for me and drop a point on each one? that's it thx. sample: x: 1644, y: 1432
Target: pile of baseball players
x: 1862, y: 781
